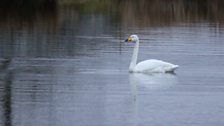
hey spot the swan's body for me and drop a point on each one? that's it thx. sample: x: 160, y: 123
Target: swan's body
x: 147, y: 66
x: 153, y: 66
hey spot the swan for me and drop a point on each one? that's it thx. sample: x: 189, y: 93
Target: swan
x: 147, y: 66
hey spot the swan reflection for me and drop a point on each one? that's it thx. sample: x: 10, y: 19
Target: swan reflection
x: 152, y: 81
x: 146, y: 83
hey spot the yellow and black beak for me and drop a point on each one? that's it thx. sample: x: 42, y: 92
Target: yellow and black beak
x: 129, y: 39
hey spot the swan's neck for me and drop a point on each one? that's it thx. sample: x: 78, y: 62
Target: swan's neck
x: 134, y: 57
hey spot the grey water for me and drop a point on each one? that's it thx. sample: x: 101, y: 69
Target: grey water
x: 65, y: 64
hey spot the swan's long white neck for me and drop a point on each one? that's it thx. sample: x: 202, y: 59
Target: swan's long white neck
x: 134, y: 57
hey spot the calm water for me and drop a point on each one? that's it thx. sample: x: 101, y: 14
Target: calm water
x: 67, y: 65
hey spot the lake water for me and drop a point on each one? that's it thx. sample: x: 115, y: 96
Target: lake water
x: 67, y: 64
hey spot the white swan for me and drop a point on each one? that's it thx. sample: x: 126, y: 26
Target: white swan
x: 147, y: 66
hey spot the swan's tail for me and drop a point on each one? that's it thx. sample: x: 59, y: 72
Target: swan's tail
x: 174, y: 67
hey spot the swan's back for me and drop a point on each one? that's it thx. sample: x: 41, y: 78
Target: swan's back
x: 154, y: 66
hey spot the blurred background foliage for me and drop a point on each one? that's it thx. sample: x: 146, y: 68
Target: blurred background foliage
x: 128, y: 12
x: 46, y: 22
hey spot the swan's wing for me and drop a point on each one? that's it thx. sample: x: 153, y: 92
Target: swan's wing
x: 153, y: 65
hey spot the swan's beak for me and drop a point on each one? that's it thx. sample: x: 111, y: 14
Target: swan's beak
x: 129, y: 39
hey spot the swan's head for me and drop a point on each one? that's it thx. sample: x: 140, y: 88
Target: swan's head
x: 132, y: 38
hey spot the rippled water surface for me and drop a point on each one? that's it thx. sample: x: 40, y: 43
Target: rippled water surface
x: 68, y: 65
